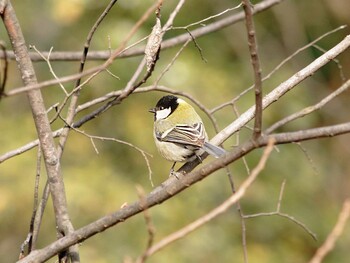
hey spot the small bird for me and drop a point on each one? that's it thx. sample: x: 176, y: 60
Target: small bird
x: 179, y: 132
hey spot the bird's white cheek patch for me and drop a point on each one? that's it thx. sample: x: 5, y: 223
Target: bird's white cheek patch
x: 162, y: 114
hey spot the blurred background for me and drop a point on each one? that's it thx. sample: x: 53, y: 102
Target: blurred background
x: 316, y: 173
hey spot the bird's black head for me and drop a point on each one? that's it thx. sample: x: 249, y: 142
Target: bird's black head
x: 168, y: 101
x: 167, y: 104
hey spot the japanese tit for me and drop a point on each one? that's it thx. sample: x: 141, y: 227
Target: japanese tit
x: 179, y: 132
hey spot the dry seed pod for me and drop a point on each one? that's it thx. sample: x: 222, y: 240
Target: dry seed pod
x: 153, y: 44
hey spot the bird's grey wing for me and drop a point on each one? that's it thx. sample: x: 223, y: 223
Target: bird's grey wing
x: 185, y: 135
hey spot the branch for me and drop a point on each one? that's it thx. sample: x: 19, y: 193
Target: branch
x: 282, y: 63
x: 132, y: 85
x: 282, y: 89
x: 74, y: 100
x: 279, y: 213
x: 309, y: 109
x: 218, y: 210
x: 42, y: 124
x: 254, y: 56
x: 240, y: 122
x: 149, y: 224
x: 338, y: 229
x: 103, y: 55
x: 174, y: 186
x: 136, y: 52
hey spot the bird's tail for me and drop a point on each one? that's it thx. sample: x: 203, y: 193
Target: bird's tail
x: 214, y: 150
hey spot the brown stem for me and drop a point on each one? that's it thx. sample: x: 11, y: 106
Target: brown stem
x: 254, y: 56
x: 42, y: 124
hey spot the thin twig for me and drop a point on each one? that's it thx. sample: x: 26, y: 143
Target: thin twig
x: 308, y: 157
x: 279, y: 66
x: 47, y: 60
x: 336, y: 61
x: 161, y: 75
x: 201, y: 22
x: 92, y: 137
x: 169, y: 43
x: 149, y: 224
x: 131, y: 86
x: 241, y: 214
x: 166, y: 44
x: 279, y: 213
x: 197, y: 46
x: 338, y: 229
x: 244, y: 118
x: 71, y: 112
x: 32, y: 227
x: 283, y: 88
x: 278, y: 208
x: 309, y: 109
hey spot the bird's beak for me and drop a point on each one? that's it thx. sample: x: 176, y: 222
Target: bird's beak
x: 153, y: 110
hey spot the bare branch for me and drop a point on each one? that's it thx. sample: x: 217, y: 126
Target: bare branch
x: 282, y: 63
x: 33, y: 228
x: 143, y: 153
x: 174, y: 186
x: 309, y: 109
x: 283, y: 88
x: 218, y: 210
x: 279, y: 213
x: 201, y: 22
x: 254, y: 56
x: 149, y: 224
x: 166, y: 44
x: 161, y: 75
x: 103, y: 55
x: 76, y: 93
x: 235, y: 126
x: 132, y: 85
x: 47, y: 60
x: 338, y: 229
x: 42, y: 124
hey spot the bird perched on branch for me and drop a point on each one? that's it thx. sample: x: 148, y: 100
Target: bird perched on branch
x: 179, y: 132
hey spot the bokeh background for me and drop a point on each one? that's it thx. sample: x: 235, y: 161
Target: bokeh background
x: 317, y: 180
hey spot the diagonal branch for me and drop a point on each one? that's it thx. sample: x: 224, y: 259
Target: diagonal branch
x: 309, y: 109
x: 338, y: 229
x: 235, y: 126
x: 174, y: 186
x: 233, y: 199
x: 283, y: 88
x: 74, y: 100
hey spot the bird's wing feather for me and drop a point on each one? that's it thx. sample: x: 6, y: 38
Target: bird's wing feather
x: 185, y: 135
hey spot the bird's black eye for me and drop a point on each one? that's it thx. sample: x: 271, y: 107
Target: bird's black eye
x: 161, y: 108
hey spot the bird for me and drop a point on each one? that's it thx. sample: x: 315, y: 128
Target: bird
x: 179, y: 132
